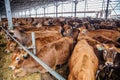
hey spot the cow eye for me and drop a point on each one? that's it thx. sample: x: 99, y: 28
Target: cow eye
x: 11, y: 46
x: 17, y: 58
x: 105, y: 52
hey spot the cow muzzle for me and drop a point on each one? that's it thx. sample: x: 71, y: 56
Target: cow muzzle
x: 12, y: 67
x: 7, y: 51
x: 109, y: 64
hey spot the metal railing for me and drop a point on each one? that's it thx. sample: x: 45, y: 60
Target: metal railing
x: 50, y: 70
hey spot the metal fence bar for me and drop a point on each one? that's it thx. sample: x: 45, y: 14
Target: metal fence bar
x: 50, y: 70
x: 33, y: 42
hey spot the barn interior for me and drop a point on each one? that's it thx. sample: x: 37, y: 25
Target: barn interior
x: 56, y: 36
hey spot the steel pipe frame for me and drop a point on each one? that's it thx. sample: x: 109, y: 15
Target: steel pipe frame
x: 113, y: 8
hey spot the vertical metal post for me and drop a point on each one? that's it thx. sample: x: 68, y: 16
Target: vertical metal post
x: 14, y: 15
x: 33, y: 42
x: 56, y: 5
x: 76, y: 2
x: 103, y: 9
x: 18, y: 14
x: 106, y: 11
x: 8, y: 12
x: 62, y: 9
x: 36, y: 12
x: 85, y: 8
x: 44, y: 11
x: 25, y: 14
x: 21, y: 15
x: 72, y: 10
x: 103, y: 5
x: 56, y: 10
x: 0, y: 17
x: 29, y: 13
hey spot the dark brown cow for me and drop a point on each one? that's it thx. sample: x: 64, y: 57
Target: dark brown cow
x: 109, y: 53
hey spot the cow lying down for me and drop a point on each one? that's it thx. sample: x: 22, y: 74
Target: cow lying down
x: 55, y: 53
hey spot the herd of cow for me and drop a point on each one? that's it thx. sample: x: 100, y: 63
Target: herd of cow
x: 87, y: 45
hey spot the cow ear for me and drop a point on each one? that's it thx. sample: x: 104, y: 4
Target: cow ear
x: 11, y: 31
x: 117, y: 49
x: 100, y: 47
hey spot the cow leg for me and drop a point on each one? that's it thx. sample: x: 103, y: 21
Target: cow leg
x: 19, y: 72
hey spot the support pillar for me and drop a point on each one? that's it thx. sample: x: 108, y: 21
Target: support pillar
x: 29, y: 13
x: 44, y: 11
x: 0, y: 17
x: 8, y: 12
x: 85, y: 8
x: 35, y: 12
x: 75, y: 2
x: 25, y: 14
x: 56, y: 6
x: 106, y: 11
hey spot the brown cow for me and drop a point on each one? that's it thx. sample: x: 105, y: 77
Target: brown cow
x: 25, y: 37
x: 40, y: 42
x: 55, y: 53
x: 83, y: 63
x: 101, y: 32
x: 11, y: 45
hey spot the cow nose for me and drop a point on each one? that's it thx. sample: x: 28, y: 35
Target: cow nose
x: 11, y: 67
x: 6, y: 51
x: 110, y: 64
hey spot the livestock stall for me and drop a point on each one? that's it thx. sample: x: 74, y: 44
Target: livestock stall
x: 59, y: 40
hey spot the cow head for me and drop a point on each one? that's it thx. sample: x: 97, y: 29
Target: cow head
x: 109, y: 53
x: 11, y: 45
x: 17, y: 58
x: 67, y: 30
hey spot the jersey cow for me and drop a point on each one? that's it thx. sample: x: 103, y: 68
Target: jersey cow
x: 83, y: 63
x: 55, y: 53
